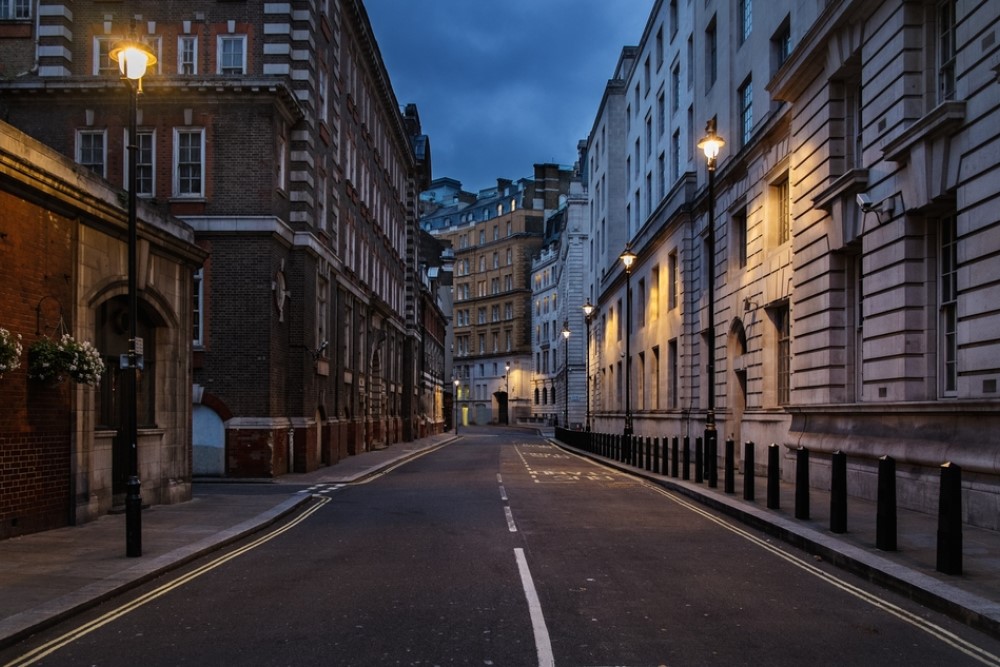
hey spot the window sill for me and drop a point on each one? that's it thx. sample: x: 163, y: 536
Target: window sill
x: 943, y: 119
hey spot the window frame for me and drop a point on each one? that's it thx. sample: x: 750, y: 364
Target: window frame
x: 176, y: 163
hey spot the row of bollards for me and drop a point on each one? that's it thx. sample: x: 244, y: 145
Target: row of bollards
x: 672, y: 457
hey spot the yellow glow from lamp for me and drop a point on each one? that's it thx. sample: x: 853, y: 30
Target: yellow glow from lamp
x: 133, y: 59
x: 628, y: 259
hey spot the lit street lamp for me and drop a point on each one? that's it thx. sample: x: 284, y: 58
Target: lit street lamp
x: 588, y: 310
x: 133, y: 58
x: 628, y: 259
x: 711, y: 144
x: 565, y: 333
x: 456, y: 381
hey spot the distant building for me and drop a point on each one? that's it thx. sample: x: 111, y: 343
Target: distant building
x: 275, y: 134
x: 493, y: 240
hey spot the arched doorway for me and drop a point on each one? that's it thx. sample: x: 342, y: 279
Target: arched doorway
x: 112, y: 403
x: 736, y: 381
x: 208, y: 439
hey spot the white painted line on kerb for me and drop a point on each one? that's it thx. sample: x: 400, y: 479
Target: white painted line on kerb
x: 542, y: 644
x: 510, y: 519
x: 503, y: 493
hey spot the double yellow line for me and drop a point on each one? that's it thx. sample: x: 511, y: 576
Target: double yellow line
x: 54, y: 645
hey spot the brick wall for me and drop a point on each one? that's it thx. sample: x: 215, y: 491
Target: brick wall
x: 36, y: 256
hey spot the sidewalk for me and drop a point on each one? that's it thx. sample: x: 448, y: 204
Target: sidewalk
x: 972, y: 597
x: 48, y: 576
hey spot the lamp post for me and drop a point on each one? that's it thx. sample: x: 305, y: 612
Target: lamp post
x: 456, y: 381
x: 588, y: 310
x: 711, y: 144
x: 628, y: 259
x: 566, y: 333
x: 507, y: 389
x: 133, y: 58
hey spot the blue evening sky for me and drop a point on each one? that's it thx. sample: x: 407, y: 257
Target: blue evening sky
x: 501, y: 86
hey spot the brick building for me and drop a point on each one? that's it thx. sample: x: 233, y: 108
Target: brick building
x: 273, y: 131
x: 63, y: 270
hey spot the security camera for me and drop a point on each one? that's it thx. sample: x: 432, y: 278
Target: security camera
x: 864, y: 202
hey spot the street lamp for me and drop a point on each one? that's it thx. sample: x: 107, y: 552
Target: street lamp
x: 588, y: 310
x: 628, y: 259
x: 507, y: 389
x: 133, y: 58
x: 711, y: 144
x: 456, y: 381
x: 565, y: 333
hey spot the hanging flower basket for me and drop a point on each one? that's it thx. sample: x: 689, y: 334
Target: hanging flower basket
x: 52, y: 361
x: 10, y: 351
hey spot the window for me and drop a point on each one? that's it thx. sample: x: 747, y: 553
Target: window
x: 672, y: 368
x: 15, y: 10
x: 187, y: 54
x: 232, y: 54
x: 281, y: 169
x: 744, y: 97
x: 645, y: 70
x: 641, y: 305
x: 781, y: 45
x: 91, y: 148
x: 649, y: 135
x: 675, y: 156
x: 746, y: 19
x: 322, y: 314
x: 661, y: 114
x: 189, y: 157
x: 103, y: 64
x: 948, y: 299
x: 198, y: 308
x: 782, y: 214
x: 946, y: 50
x: 640, y: 381
x: 738, y: 229
x: 672, y: 280
x: 659, y: 48
x: 654, y: 293
x: 711, y: 55
x: 782, y: 328
x: 675, y: 88
x: 654, y: 380
x: 618, y: 321
x: 145, y: 185
x: 673, y: 19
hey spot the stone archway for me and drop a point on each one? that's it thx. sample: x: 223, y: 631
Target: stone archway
x: 736, y: 381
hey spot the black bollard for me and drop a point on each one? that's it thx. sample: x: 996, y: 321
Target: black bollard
x: 686, y: 472
x: 649, y: 454
x: 712, y: 458
x: 674, y: 458
x: 773, y: 477
x: 801, y: 483
x: 885, y: 513
x: 838, y: 492
x: 748, y: 470
x: 699, y: 471
x: 656, y: 455
x: 949, y: 533
x: 133, y: 518
x: 730, y: 483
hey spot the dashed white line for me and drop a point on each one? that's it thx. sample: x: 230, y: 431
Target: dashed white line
x: 543, y: 646
x: 510, y: 519
x: 503, y: 493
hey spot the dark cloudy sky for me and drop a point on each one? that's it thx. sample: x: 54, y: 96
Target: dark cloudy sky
x: 501, y: 85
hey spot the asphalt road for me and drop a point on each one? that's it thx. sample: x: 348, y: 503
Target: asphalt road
x: 501, y: 549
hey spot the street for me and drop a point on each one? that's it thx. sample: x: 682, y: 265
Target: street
x: 502, y: 549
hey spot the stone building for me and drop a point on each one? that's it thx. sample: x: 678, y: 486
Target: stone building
x: 493, y: 237
x: 63, y: 269
x: 852, y: 239
x: 273, y: 131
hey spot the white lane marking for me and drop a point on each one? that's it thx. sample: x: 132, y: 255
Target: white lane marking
x: 542, y: 644
x: 499, y: 479
x: 510, y: 519
x: 503, y: 493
